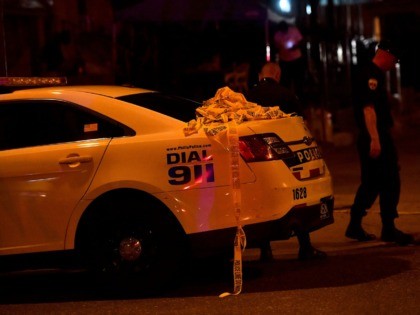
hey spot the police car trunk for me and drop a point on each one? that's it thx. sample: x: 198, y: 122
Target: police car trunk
x: 285, y: 159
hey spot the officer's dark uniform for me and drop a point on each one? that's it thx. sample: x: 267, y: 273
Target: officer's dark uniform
x: 268, y: 92
x: 380, y: 176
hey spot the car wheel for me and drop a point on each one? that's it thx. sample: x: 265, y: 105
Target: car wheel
x: 128, y: 240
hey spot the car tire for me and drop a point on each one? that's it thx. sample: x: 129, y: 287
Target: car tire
x: 133, y: 240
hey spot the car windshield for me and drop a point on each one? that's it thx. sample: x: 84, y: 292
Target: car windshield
x: 170, y: 105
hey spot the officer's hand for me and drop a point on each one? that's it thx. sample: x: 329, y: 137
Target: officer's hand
x: 375, y: 148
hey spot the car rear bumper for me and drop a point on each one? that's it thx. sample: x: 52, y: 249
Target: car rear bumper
x: 307, y: 219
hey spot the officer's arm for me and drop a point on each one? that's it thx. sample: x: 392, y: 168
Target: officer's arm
x: 370, y: 121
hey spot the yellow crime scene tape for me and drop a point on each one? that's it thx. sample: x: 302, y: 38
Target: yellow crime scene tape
x: 240, y: 238
x: 219, y: 116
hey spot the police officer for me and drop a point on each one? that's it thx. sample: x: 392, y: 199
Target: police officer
x: 377, y: 152
x: 269, y: 92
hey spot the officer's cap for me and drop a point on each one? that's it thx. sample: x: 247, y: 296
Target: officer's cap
x: 390, y: 47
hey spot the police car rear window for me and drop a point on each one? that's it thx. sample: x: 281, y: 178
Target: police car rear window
x: 177, y: 107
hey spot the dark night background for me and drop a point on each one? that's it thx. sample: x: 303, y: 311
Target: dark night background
x: 191, y: 47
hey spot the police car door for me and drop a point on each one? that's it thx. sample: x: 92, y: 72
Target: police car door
x: 49, y: 152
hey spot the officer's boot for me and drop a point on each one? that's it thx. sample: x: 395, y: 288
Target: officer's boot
x: 356, y: 231
x: 391, y: 234
x: 306, y: 250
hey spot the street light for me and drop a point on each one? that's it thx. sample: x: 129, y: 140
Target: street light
x: 285, y: 6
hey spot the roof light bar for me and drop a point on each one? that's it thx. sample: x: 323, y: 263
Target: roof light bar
x: 32, y: 81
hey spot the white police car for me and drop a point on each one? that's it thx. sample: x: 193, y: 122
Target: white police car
x: 108, y: 172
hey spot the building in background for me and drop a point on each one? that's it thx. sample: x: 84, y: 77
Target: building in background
x: 194, y: 47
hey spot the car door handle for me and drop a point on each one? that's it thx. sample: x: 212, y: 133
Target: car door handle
x: 75, y: 160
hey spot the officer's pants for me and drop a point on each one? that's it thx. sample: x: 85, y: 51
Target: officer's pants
x: 379, y: 177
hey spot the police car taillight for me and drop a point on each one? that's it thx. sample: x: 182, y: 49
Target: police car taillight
x: 263, y: 147
x: 32, y: 81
